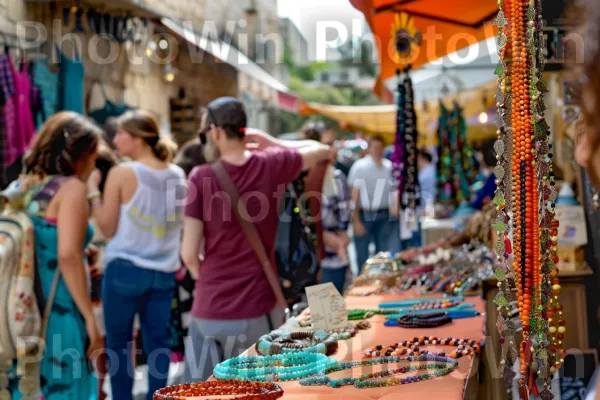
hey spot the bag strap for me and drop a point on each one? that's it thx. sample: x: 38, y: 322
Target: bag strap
x: 49, y: 302
x: 241, y: 213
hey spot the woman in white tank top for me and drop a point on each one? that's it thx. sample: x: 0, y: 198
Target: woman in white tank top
x: 141, y: 211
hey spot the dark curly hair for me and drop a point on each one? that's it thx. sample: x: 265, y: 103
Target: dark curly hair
x: 63, y: 140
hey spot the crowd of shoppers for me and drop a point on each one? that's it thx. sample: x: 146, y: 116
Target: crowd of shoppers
x: 155, y: 210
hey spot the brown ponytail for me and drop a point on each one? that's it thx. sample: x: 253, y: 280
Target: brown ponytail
x: 144, y: 125
x: 165, y: 149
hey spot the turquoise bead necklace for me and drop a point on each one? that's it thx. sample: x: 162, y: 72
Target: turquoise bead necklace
x: 273, y: 368
x: 439, y: 366
x: 414, y: 302
x: 395, y: 313
x: 450, y: 311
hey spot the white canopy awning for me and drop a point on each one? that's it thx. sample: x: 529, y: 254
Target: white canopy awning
x: 224, y: 52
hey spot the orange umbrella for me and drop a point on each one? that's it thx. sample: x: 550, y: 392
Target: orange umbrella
x: 444, y: 26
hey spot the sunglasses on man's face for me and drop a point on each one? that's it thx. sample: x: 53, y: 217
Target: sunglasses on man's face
x: 204, y: 131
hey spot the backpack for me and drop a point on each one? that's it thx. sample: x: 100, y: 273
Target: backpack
x: 21, y: 323
x: 295, y: 252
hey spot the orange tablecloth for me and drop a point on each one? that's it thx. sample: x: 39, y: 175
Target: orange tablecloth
x: 448, y: 387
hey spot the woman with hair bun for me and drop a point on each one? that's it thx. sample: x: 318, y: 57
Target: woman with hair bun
x: 141, y: 212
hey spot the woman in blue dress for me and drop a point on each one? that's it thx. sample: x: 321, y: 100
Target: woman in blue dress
x: 55, y: 197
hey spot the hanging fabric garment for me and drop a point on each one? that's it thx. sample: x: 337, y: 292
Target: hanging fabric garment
x: 37, y: 106
x: 9, y: 123
x: 71, y: 75
x: 47, y: 81
x: 3, y: 146
x: 109, y: 109
x: 22, y: 101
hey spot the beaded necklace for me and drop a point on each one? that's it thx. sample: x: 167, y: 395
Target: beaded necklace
x: 464, y: 347
x: 404, y: 157
x: 527, y: 194
x: 308, y: 342
x: 247, y: 390
x: 441, y: 366
x: 414, y: 302
x: 347, y: 333
x: 356, y: 314
x: 424, y: 320
x: 434, y: 305
x: 273, y: 368
x: 461, y: 307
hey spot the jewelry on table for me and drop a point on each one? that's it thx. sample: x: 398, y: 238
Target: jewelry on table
x: 356, y: 314
x: 423, y: 320
x: 441, y: 366
x: 414, y: 302
x: 280, y: 367
x: 464, y: 347
x: 308, y: 342
x: 434, y: 305
x: 458, y: 314
x: 247, y: 390
x: 347, y: 333
x: 341, y: 333
x: 402, y: 312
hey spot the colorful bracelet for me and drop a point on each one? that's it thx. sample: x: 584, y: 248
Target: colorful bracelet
x: 441, y: 366
x: 309, y: 342
x: 280, y: 367
x: 423, y: 320
x: 247, y: 390
x: 96, y: 203
x: 402, y: 312
x: 95, y: 193
x: 458, y: 314
x: 414, y: 302
x: 410, y: 347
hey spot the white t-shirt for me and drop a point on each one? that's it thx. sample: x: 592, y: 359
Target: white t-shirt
x: 376, y: 184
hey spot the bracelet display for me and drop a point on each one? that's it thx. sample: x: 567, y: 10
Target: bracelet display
x: 280, y: 367
x: 441, y: 366
x: 464, y: 347
x: 432, y: 320
x: 308, y: 342
x: 247, y: 390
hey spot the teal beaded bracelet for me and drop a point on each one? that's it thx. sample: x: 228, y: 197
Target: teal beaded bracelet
x: 273, y: 368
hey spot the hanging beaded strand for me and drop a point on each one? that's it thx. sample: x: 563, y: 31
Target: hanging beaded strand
x: 531, y: 199
x: 553, y: 328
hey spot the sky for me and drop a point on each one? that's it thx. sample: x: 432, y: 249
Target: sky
x: 307, y: 13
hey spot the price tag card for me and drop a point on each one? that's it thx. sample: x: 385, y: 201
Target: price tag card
x: 571, y: 230
x: 327, y: 307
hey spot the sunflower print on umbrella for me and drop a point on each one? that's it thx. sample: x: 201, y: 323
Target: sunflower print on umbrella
x: 406, y: 38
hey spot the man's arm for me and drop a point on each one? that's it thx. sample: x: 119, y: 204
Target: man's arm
x: 191, y: 245
x: 312, y: 152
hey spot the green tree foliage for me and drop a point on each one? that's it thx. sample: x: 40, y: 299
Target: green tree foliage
x: 300, y: 76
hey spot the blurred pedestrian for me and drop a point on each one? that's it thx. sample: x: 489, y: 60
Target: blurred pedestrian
x: 234, y: 302
x: 61, y: 159
x: 373, y: 192
x: 140, y: 213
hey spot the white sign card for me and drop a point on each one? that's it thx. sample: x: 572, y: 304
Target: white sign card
x: 571, y: 230
x: 327, y: 307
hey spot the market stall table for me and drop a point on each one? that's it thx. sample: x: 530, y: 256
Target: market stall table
x: 452, y: 386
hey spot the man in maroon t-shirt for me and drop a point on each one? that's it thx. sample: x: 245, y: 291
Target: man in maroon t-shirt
x: 234, y: 304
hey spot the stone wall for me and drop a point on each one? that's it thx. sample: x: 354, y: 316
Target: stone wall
x: 135, y: 78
